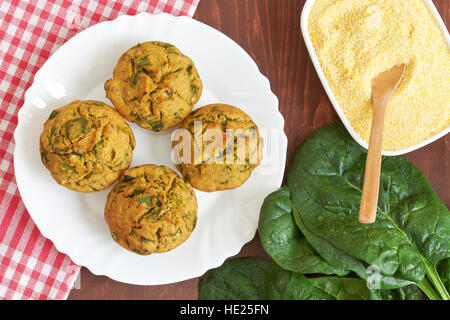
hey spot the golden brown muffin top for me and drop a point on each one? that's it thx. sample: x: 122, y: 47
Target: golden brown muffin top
x: 154, y: 85
x: 151, y: 209
x: 230, y: 148
x: 86, y: 145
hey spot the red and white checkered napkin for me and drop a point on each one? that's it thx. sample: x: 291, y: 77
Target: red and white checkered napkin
x: 30, y: 266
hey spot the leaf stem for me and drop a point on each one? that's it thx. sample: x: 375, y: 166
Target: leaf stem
x: 437, y: 282
x: 426, y: 287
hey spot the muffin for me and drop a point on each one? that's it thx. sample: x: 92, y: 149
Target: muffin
x: 86, y: 145
x: 225, y: 147
x: 151, y: 209
x: 154, y: 85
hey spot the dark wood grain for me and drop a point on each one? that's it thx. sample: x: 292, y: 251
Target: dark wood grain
x: 269, y: 30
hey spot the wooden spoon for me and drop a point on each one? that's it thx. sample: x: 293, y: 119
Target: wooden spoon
x: 383, y: 87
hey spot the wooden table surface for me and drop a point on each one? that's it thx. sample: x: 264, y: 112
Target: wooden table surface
x: 269, y: 31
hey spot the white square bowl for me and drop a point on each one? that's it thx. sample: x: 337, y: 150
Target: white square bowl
x: 305, y: 31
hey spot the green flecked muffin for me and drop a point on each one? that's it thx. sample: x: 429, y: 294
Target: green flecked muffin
x: 154, y: 85
x: 151, y: 210
x: 222, y: 164
x: 86, y: 145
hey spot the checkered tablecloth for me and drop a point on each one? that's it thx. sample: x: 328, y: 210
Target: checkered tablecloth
x: 30, y: 31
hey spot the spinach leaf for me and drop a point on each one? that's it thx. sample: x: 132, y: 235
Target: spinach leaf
x: 336, y: 288
x: 253, y: 279
x: 53, y: 114
x: 157, y: 125
x: 410, y: 292
x: 283, y: 241
x: 142, y: 62
x: 411, y: 234
x: 444, y: 272
x: 147, y: 200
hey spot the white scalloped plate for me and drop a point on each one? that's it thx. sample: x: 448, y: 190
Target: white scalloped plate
x: 74, y: 221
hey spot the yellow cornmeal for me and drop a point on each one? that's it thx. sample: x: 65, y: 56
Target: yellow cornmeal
x: 356, y: 40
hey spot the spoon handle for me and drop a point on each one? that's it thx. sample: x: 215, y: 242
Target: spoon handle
x: 369, y: 200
